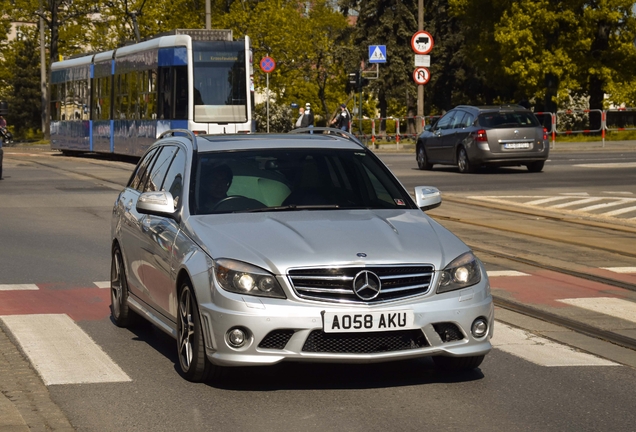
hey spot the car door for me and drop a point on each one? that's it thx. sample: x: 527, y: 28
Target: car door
x: 461, y: 128
x: 130, y: 235
x: 434, y: 144
x: 160, y: 232
x: 449, y: 141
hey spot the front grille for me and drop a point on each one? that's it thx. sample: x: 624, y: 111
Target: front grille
x: 276, y: 339
x: 364, y: 343
x: 336, y: 284
x: 448, y: 332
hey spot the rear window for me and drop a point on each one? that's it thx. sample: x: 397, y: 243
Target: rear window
x: 508, y: 119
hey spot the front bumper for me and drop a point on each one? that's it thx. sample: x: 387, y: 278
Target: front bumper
x: 294, y: 321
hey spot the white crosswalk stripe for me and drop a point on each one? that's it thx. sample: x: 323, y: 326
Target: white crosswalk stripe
x: 497, y: 273
x: 61, y: 351
x: 541, y: 351
x: 104, y: 284
x: 19, y: 287
x: 615, y: 307
x: 620, y: 269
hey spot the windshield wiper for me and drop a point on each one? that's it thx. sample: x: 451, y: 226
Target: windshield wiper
x: 295, y: 207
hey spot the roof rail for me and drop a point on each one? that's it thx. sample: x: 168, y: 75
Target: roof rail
x: 329, y: 131
x: 191, y: 136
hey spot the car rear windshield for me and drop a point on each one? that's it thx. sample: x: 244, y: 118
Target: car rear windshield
x: 507, y: 119
x: 293, y: 179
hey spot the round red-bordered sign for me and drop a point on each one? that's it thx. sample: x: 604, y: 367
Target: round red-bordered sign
x: 421, y: 75
x: 267, y: 64
x: 422, y: 42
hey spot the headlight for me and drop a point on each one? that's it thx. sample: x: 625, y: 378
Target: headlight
x: 242, y: 278
x: 461, y: 273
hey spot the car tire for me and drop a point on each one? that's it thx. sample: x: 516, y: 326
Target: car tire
x: 455, y: 364
x: 193, y: 361
x: 463, y: 162
x: 535, y: 166
x: 422, y: 159
x: 120, y: 312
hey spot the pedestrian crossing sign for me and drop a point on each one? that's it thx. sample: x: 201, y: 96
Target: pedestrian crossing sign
x: 377, y: 53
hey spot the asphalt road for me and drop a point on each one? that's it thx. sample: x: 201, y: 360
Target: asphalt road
x: 55, y: 233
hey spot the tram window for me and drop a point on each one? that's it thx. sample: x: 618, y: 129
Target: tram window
x: 165, y: 93
x: 181, y: 92
x: 160, y: 168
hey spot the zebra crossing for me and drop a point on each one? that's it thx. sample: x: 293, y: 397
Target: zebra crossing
x: 620, y: 206
x: 63, y: 353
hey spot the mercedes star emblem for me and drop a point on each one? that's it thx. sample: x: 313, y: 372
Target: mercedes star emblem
x: 367, y: 285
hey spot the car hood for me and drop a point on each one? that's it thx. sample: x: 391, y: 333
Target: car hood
x: 278, y: 241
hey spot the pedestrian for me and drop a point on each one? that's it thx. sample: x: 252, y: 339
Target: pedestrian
x: 3, y: 122
x: 310, y: 116
x: 342, y: 119
x: 301, y: 122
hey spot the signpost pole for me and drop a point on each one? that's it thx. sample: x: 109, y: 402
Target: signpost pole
x: 420, y: 88
x: 267, y: 80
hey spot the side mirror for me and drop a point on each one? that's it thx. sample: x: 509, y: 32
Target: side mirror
x: 156, y: 203
x: 427, y: 197
x: 428, y: 127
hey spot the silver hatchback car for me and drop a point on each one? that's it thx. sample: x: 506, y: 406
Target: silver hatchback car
x: 255, y: 249
x: 471, y: 137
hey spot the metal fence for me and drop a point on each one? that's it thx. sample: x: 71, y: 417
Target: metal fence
x: 567, y: 122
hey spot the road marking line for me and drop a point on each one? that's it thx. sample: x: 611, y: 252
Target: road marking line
x: 620, y: 211
x: 546, y: 200
x: 19, y: 287
x: 541, y: 351
x: 615, y: 307
x: 607, y: 204
x: 105, y: 284
x: 609, y: 165
x: 620, y: 269
x: 577, y: 202
x: 61, y: 351
x: 497, y: 273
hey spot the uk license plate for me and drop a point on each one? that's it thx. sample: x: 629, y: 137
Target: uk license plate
x: 517, y: 145
x: 359, y: 322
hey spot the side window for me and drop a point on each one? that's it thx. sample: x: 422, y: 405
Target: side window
x: 468, y: 120
x: 174, y: 178
x: 142, y: 166
x: 458, y: 120
x: 445, y: 122
x: 160, y: 168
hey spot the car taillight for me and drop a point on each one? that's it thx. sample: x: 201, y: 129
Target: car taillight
x: 545, y: 133
x: 199, y: 132
x: 480, y: 135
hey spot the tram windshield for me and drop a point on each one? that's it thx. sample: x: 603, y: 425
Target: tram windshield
x: 220, y: 88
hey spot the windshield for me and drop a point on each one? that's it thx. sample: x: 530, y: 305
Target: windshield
x: 291, y: 180
x: 508, y: 119
x: 220, y: 88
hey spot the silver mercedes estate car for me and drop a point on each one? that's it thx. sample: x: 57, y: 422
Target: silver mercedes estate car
x: 256, y: 249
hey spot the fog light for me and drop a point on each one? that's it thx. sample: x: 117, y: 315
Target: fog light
x: 236, y: 337
x: 479, y: 327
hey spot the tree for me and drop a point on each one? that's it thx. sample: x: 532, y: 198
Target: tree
x: 24, y: 95
x: 308, y: 43
x: 391, y: 23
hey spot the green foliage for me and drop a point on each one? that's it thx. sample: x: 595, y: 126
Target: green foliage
x: 23, y: 83
x: 281, y: 118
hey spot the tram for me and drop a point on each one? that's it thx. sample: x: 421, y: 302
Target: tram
x: 120, y: 101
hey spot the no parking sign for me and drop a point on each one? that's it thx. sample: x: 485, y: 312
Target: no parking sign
x: 267, y: 64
